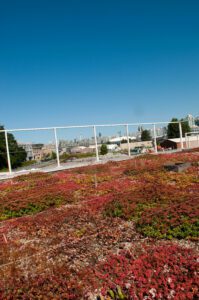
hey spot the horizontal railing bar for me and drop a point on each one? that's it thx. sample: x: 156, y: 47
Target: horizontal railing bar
x: 87, y: 126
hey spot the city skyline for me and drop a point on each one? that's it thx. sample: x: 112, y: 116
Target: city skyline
x: 46, y: 135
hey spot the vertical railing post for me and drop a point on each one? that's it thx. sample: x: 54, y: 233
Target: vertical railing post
x: 181, y: 140
x: 127, y: 135
x: 8, y: 152
x: 154, y: 136
x: 96, y: 146
x: 186, y: 141
x: 57, y: 147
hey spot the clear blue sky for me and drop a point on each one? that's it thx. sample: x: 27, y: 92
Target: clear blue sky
x: 98, y: 61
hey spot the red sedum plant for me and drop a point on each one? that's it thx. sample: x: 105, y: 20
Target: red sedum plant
x: 158, y: 272
x: 101, y: 232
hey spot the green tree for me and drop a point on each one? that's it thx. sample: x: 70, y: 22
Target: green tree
x: 53, y: 155
x: 17, y: 153
x: 145, y: 135
x: 185, y: 127
x: 197, y: 121
x: 103, y: 149
x: 173, y: 130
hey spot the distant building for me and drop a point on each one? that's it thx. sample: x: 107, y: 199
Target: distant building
x: 113, y: 147
x: 82, y: 149
x: 195, y: 128
x: 191, y: 120
x: 189, y: 142
x: 120, y: 139
x: 29, y: 150
x: 147, y: 144
x: 48, y: 149
x: 37, y: 151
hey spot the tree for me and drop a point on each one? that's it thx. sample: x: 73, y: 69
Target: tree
x: 145, y: 135
x: 53, y: 155
x: 103, y: 149
x: 173, y: 130
x: 197, y: 121
x: 17, y: 153
x: 185, y: 127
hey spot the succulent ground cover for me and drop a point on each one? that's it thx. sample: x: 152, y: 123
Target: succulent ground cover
x: 122, y: 230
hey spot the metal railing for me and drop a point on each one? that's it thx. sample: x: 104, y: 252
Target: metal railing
x: 93, y: 127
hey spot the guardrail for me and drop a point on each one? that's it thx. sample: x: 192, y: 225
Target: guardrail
x: 93, y: 127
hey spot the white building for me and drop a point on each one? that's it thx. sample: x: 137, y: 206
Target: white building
x: 191, y: 120
x: 29, y: 150
x: 113, y: 147
x: 119, y: 139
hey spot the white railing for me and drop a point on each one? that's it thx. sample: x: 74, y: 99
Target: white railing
x: 54, y: 129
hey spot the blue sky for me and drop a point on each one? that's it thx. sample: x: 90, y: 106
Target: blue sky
x: 84, y: 62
